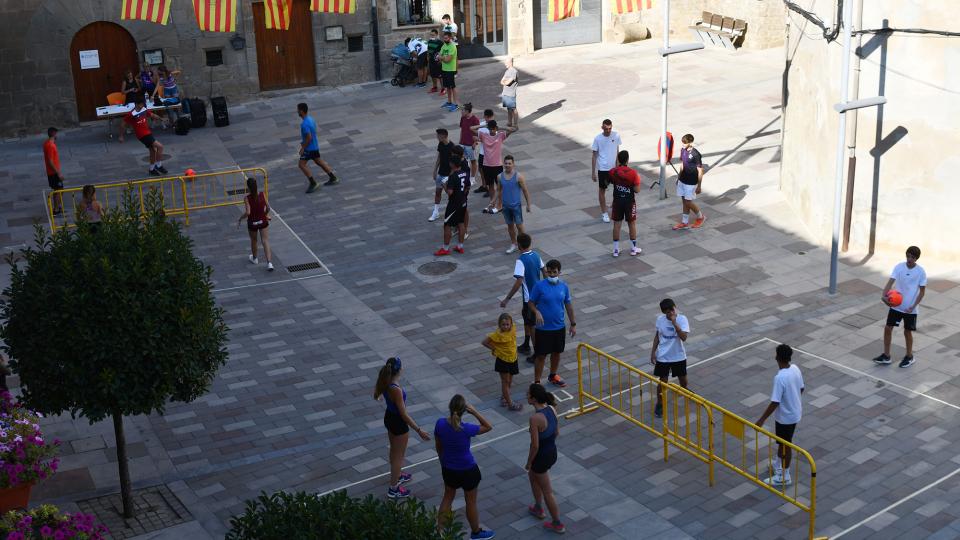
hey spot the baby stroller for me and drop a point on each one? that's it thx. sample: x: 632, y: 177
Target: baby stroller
x: 405, y: 70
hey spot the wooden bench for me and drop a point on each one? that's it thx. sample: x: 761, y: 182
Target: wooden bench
x: 720, y: 31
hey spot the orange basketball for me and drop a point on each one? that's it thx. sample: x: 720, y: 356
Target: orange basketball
x: 895, y: 298
x: 189, y: 172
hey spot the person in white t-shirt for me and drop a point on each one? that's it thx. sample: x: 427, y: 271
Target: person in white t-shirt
x: 448, y: 25
x: 911, y: 281
x: 668, y: 354
x: 785, y: 400
x: 605, y: 148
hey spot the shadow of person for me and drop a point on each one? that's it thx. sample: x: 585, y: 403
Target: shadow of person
x: 543, y: 111
x: 732, y: 195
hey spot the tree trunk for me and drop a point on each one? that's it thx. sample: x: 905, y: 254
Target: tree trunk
x: 125, y: 494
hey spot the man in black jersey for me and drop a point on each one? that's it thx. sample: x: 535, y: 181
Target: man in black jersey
x: 457, y: 186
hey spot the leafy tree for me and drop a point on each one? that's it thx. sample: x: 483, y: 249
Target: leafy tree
x: 335, y: 516
x: 113, y: 319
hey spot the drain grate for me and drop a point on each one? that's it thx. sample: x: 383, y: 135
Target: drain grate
x: 236, y: 192
x: 437, y: 268
x: 305, y: 266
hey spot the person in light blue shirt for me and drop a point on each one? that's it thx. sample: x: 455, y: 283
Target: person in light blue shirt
x: 668, y: 354
x: 310, y: 150
x: 549, y: 299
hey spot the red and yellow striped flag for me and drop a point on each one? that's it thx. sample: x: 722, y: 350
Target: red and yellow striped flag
x: 333, y: 6
x: 562, y: 9
x: 157, y: 11
x: 216, y: 15
x: 619, y: 7
x: 277, y: 14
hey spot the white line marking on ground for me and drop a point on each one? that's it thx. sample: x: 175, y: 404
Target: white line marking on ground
x: 225, y: 289
x: 522, y: 430
x: 302, y: 243
x: 894, y: 505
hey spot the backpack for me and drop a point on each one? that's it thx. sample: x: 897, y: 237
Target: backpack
x: 182, y: 127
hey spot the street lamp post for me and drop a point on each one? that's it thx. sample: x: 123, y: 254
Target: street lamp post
x: 665, y: 53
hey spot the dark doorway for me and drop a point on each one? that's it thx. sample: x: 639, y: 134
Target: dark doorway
x: 285, y: 57
x: 116, y: 51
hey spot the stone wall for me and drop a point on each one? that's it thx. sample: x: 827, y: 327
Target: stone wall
x: 908, y: 177
x: 765, y: 19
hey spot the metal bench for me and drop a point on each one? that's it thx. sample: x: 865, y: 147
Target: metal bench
x: 720, y: 31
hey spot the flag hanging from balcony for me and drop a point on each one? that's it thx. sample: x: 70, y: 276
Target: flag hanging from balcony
x: 157, y: 11
x: 619, y: 7
x: 216, y: 15
x: 333, y: 6
x: 562, y: 9
x: 277, y: 14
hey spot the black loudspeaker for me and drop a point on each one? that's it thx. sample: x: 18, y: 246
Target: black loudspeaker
x: 220, y: 116
x: 182, y: 127
x: 198, y: 113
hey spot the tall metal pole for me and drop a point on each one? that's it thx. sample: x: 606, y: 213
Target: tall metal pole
x: 664, y: 65
x: 375, y: 22
x: 852, y: 132
x: 841, y: 143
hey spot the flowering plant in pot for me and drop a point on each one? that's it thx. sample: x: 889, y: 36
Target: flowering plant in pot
x: 25, y: 456
x: 47, y: 522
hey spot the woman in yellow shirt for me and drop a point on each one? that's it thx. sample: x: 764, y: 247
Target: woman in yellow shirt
x: 503, y: 346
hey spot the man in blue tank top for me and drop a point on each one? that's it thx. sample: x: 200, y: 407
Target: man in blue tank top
x: 512, y: 184
x: 527, y: 271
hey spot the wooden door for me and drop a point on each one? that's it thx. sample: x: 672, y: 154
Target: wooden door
x: 285, y: 57
x: 117, y: 52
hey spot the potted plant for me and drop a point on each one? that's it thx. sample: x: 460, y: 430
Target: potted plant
x: 25, y: 457
x: 46, y: 522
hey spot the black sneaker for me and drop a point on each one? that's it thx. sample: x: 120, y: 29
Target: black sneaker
x: 162, y: 169
x: 531, y: 359
x: 332, y: 182
x: 154, y: 172
x: 313, y: 187
x: 481, y: 189
x: 882, y: 360
x: 907, y: 361
x: 525, y: 349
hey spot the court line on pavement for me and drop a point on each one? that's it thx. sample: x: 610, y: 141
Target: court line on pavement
x: 521, y: 430
x: 225, y: 289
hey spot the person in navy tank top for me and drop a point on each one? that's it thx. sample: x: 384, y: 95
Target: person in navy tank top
x: 542, y: 455
x: 398, y: 424
x: 512, y: 184
x: 527, y: 271
x: 257, y: 212
x: 457, y: 465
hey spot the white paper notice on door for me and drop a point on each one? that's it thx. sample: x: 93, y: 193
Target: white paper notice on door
x: 90, y: 59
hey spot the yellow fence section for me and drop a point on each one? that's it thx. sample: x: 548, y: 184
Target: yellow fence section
x: 180, y: 194
x: 688, y: 424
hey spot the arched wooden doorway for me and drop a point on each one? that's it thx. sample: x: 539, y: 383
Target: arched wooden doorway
x: 116, y: 51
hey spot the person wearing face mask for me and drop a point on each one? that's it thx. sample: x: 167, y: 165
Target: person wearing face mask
x: 549, y: 299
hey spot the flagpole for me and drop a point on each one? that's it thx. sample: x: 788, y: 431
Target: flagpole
x: 664, y: 64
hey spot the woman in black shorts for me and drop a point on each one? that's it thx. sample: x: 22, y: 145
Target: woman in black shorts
x: 543, y: 454
x: 257, y: 212
x: 459, y: 469
x: 398, y: 424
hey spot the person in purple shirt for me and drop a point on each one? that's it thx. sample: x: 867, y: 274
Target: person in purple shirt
x: 689, y: 183
x: 459, y: 469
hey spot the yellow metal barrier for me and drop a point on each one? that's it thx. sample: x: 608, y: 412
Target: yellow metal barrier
x: 180, y: 194
x: 618, y: 387
x: 688, y: 421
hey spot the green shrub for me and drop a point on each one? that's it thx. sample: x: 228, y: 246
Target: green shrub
x: 335, y: 516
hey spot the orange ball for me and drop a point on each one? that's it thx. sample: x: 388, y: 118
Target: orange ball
x: 895, y: 298
x: 189, y: 172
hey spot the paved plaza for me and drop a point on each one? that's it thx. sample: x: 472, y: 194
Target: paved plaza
x: 292, y: 409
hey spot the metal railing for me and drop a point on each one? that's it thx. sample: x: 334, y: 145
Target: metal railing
x: 607, y: 382
x: 180, y: 194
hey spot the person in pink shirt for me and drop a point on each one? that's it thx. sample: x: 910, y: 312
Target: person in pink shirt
x: 492, y: 158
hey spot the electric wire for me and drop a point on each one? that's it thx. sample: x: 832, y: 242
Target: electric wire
x: 830, y: 33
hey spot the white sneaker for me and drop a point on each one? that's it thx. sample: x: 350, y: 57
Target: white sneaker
x: 778, y: 481
x: 434, y: 215
x: 252, y: 259
x: 616, y: 253
x: 511, y: 249
x: 635, y: 251
x: 270, y: 266
x: 605, y: 217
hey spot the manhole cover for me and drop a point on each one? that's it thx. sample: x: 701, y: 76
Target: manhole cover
x: 437, y: 268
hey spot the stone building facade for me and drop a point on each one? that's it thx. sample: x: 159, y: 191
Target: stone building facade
x: 906, y: 151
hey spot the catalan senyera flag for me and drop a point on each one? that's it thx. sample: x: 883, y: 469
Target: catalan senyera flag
x: 562, y: 9
x: 277, y: 14
x: 157, y: 11
x: 216, y: 15
x: 333, y: 6
x: 619, y: 7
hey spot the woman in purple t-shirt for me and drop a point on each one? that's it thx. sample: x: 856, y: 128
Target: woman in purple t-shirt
x: 459, y: 469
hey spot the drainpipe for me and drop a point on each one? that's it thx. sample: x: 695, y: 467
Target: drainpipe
x: 852, y: 133
x: 375, y: 22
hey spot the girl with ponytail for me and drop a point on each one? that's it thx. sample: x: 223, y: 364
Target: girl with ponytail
x: 544, y: 430
x: 398, y: 424
x: 459, y: 469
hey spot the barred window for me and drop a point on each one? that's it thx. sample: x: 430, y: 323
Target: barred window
x: 413, y: 12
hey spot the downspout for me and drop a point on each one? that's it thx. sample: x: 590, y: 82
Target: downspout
x: 852, y: 132
x: 375, y: 22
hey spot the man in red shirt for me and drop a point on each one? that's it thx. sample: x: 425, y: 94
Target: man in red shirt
x: 137, y: 118
x: 626, y: 182
x: 51, y: 159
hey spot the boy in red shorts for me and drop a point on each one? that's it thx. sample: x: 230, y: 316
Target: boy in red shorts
x: 137, y: 118
x: 626, y: 182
